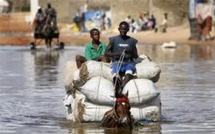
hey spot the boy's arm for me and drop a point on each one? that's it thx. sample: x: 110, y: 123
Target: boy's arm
x: 101, y: 57
x: 84, y: 72
x: 109, y: 50
x: 134, y: 51
x: 87, y: 53
x: 104, y: 49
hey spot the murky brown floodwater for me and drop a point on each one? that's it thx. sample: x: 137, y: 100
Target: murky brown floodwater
x: 31, y: 91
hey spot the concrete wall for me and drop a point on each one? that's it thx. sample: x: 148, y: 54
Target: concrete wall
x: 67, y: 8
x: 20, y: 5
x: 62, y: 7
x: 120, y: 9
x: 176, y: 9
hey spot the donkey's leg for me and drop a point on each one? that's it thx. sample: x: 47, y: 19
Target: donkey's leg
x: 47, y: 42
x: 50, y: 42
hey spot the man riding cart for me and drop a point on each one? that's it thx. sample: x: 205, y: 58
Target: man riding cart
x: 122, y: 50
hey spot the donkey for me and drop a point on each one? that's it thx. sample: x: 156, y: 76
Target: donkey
x: 119, y: 116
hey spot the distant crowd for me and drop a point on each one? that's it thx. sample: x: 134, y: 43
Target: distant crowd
x: 143, y: 23
x: 146, y: 22
x: 46, y: 17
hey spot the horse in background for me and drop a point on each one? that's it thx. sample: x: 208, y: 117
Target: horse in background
x: 45, y: 28
x: 119, y: 116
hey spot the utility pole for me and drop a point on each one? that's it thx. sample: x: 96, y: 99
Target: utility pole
x: 150, y: 7
x: 34, y: 5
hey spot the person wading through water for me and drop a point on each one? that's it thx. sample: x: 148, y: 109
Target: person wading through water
x: 51, y: 15
x: 39, y: 21
x: 122, y: 50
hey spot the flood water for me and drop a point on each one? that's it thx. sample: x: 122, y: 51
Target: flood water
x: 31, y: 91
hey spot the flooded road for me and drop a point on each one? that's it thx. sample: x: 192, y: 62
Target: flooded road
x: 31, y: 91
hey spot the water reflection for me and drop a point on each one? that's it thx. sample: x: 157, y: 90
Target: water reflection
x: 32, y: 88
x: 46, y: 66
x: 46, y: 58
x: 202, y: 52
x: 181, y: 53
x: 94, y: 128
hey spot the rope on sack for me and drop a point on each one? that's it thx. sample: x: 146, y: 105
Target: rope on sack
x: 97, y: 96
x: 119, y: 64
x: 99, y: 110
x: 101, y: 67
x: 96, y: 112
x: 102, y: 70
x: 97, y: 93
x: 138, y: 94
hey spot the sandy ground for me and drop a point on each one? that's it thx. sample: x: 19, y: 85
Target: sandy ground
x: 14, y: 30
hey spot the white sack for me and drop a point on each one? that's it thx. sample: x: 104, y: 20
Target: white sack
x: 69, y: 70
x: 145, y: 58
x: 74, y: 107
x: 140, y: 91
x: 99, y: 69
x: 93, y: 67
x: 94, y: 112
x: 67, y: 100
x: 99, y: 91
x: 76, y: 75
x: 148, y: 70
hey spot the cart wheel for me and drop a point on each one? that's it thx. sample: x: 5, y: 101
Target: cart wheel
x: 32, y: 46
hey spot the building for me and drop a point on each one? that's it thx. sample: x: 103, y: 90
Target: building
x: 120, y: 9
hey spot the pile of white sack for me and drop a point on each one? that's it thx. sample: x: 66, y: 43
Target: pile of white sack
x: 96, y: 96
